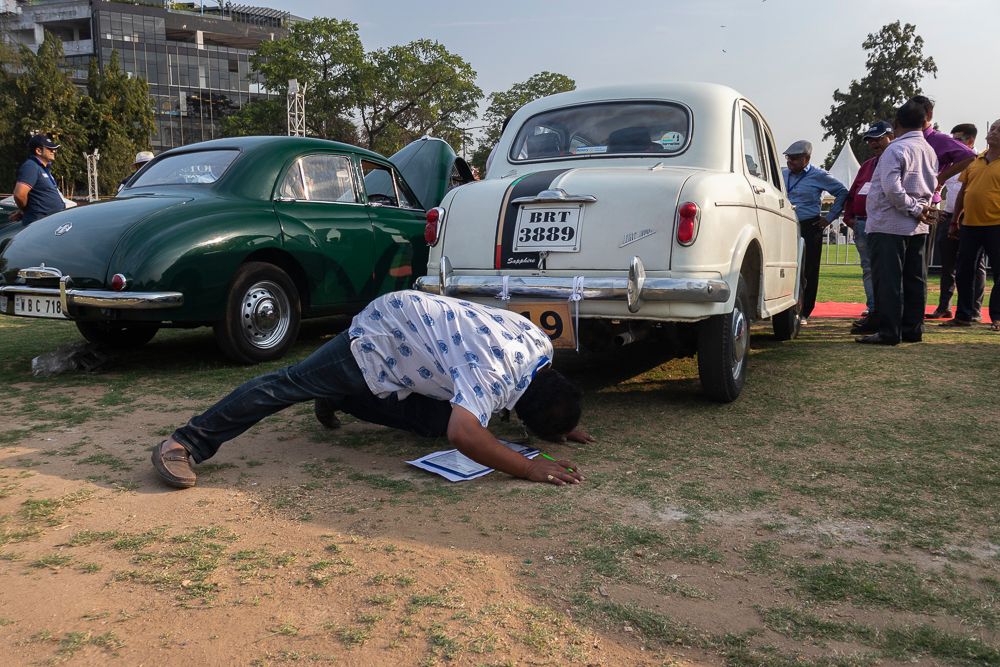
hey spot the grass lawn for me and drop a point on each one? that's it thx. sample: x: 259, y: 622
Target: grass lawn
x: 844, y: 511
x: 842, y: 282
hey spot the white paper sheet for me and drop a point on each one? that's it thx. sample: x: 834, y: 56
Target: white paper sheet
x: 457, y: 467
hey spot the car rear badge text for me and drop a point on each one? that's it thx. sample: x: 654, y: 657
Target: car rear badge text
x: 632, y: 237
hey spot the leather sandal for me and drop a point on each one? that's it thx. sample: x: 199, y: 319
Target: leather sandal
x: 174, y: 466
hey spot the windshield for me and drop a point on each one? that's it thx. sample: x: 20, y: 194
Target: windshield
x: 623, y: 128
x: 195, y: 167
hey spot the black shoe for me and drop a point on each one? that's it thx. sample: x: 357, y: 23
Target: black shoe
x: 912, y: 338
x: 326, y: 413
x: 875, y: 339
x: 864, y: 327
x: 939, y: 314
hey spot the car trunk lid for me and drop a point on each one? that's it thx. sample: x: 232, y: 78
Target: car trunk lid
x: 567, y: 219
x: 80, y: 242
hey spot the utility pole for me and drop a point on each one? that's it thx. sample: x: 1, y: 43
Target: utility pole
x: 92, y: 159
x: 296, y: 108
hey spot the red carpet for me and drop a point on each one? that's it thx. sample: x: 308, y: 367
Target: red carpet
x: 854, y: 310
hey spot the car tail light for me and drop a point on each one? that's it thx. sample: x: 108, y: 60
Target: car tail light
x: 433, y: 226
x: 687, y: 223
x: 118, y: 282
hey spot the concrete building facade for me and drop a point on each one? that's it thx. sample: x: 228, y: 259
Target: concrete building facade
x: 194, y: 55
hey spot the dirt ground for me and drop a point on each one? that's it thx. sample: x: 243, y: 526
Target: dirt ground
x: 296, y: 570
x: 704, y: 535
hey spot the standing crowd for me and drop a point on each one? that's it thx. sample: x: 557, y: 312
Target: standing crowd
x: 892, y: 206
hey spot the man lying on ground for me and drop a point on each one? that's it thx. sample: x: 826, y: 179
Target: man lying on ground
x: 428, y: 364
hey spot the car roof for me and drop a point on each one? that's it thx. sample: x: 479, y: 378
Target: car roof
x: 262, y: 159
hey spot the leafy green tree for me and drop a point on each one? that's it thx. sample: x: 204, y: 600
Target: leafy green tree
x: 115, y: 115
x: 47, y: 101
x: 404, y: 92
x: 325, y: 54
x: 504, y: 103
x: 256, y: 118
x: 119, y: 119
x: 896, y: 65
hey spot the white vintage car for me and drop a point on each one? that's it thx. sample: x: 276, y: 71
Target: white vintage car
x: 621, y: 212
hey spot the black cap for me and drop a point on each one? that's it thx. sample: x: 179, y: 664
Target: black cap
x: 41, y: 141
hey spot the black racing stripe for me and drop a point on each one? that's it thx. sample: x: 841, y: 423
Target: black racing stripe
x: 504, y: 257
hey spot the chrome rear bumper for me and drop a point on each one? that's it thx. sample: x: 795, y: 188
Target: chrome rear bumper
x: 70, y: 297
x: 632, y: 289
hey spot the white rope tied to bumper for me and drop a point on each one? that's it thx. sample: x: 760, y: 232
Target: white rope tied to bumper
x: 504, y: 294
x: 576, y: 296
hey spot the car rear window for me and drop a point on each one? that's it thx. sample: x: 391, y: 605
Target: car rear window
x: 194, y: 167
x: 602, y: 129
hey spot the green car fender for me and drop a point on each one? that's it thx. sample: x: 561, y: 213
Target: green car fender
x: 197, y: 252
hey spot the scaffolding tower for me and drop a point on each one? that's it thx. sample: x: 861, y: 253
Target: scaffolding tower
x: 296, y: 108
x: 92, y: 159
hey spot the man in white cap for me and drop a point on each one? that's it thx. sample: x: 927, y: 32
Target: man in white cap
x: 806, y: 184
x: 141, y: 158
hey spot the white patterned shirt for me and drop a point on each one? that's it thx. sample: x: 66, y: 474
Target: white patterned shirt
x: 474, y: 356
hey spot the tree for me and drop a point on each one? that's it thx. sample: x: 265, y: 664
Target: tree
x: 256, y: 118
x: 114, y: 116
x: 404, y: 92
x: 118, y: 118
x: 326, y: 55
x: 896, y: 65
x: 504, y: 103
x: 47, y: 101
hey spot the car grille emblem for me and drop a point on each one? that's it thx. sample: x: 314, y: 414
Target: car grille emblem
x: 62, y: 229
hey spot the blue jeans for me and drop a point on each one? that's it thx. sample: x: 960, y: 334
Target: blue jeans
x: 329, y: 372
x: 864, y: 252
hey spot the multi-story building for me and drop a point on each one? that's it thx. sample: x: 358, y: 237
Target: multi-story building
x: 194, y: 55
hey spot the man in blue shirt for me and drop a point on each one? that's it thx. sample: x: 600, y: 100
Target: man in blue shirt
x: 36, y: 192
x: 805, y: 185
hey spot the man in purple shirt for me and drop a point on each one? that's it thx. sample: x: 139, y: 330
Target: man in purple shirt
x: 902, y: 188
x: 953, y: 156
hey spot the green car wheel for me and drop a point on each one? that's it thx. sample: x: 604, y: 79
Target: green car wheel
x: 263, y: 313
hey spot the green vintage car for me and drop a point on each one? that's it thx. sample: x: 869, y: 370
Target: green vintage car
x: 247, y: 235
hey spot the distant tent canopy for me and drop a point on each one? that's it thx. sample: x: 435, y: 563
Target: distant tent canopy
x: 846, y: 166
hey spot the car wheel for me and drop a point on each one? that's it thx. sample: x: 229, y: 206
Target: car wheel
x: 262, y: 314
x: 119, y: 335
x: 786, y: 323
x: 723, y: 348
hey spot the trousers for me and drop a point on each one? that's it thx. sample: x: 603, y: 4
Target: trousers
x: 330, y: 374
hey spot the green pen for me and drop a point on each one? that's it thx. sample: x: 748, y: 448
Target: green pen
x: 547, y: 457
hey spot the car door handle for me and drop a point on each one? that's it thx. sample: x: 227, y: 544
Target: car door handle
x: 781, y: 203
x: 758, y: 189
x: 285, y: 199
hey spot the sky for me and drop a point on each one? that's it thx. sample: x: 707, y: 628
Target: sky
x: 786, y: 56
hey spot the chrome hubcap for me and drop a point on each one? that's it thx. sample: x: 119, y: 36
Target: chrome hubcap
x: 741, y: 341
x: 265, y: 315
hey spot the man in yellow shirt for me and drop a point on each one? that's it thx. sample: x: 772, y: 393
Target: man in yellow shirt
x: 979, y: 202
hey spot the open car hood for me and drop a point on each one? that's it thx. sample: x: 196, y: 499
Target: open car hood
x: 431, y: 168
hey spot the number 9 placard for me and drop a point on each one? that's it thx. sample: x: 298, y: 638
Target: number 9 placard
x: 551, y: 317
